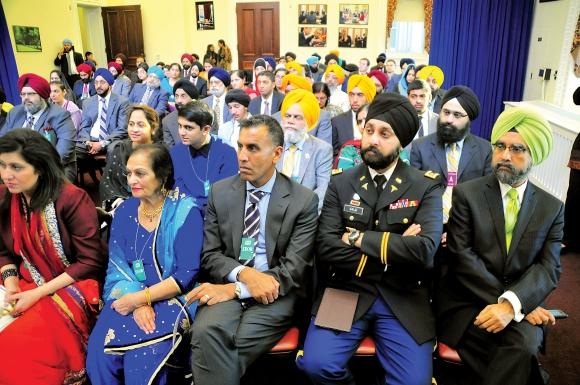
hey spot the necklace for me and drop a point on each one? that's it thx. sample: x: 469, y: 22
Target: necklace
x: 150, y: 214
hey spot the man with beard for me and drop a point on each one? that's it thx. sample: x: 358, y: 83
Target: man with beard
x: 46, y: 118
x: 334, y: 77
x: 238, y: 102
x: 452, y: 151
x: 504, y: 239
x: 122, y: 85
x: 84, y: 88
x: 361, y: 90
x: 150, y: 92
x: 378, y: 231
x: 104, y: 118
x: 306, y: 159
x: 219, y: 80
x: 199, y: 82
x: 68, y: 60
x: 184, y: 92
x: 186, y: 61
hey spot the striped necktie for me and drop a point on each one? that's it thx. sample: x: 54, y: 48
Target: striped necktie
x: 217, y: 111
x: 511, y: 215
x: 252, y: 220
x: 29, y: 122
x: 103, y: 132
x: 146, y: 95
x: 452, y: 165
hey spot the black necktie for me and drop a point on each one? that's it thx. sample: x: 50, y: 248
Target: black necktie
x: 252, y: 220
x: 380, y: 181
x: 421, y: 131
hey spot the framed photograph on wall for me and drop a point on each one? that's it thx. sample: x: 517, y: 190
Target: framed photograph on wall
x: 311, y: 37
x: 27, y: 39
x: 204, y: 15
x: 352, y: 37
x: 353, y: 14
x: 312, y: 14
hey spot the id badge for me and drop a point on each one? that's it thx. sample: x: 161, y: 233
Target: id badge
x: 206, y: 187
x: 451, y: 179
x: 139, y: 270
x: 247, y: 248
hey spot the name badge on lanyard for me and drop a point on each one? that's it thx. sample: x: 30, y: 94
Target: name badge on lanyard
x: 206, y: 186
x: 247, y: 248
x: 451, y: 179
x: 139, y: 270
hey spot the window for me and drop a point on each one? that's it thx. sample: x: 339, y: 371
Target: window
x: 407, y: 37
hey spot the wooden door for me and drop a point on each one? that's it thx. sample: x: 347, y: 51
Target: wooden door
x: 258, y: 32
x: 123, y: 32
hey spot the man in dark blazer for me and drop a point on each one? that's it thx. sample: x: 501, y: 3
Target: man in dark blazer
x: 53, y: 122
x: 504, y: 237
x: 68, y: 60
x: 243, y: 311
x: 84, y: 88
x: 96, y: 134
x: 184, y: 92
x: 378, y: 231
x: 361, y: 90
x: 219, y: 80
x: 419, y: 94
x: 199, y: 82
x: 269, y: 101
x: 158, y: 97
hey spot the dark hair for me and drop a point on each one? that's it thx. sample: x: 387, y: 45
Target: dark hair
x: 208, y: 48
x: 291, y: 54
x: 242, y: 74
x: 122, y: 57
x: 175, y: 64
x: 321, y: 87
x: 268, y: 74
x: 195, y: 56
x: 367, y: 60
x: 161, y: 162
x: 364, y: 107
x: 59, y: 84
x: 196, y: 112
x: 40, y: 154
x: 281, y: 69
x: 143, y: 65
x: 418, y: 84
x: 150, y: 115
x: 406, y: 60
x: 222, y: 41
x: 275, y: 131
x: 87, y: 54
x: 60, y: 76
x: 159, y: 64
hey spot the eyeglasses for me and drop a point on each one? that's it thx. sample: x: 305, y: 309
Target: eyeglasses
x: 27, y: 94
x: 516, y: 149
x: 456, y: 115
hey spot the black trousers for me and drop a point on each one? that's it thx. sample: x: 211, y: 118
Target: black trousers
x: 572, y: 213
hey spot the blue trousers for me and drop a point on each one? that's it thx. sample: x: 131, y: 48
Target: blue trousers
x: 327, y: 352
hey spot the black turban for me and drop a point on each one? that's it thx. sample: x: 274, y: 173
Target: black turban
x: 198, y: 65
x: 238, y: 96
x: 398, y: 112
x: 187, y: 87
x: 466, y: 97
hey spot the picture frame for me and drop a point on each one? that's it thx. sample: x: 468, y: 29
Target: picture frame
x: 353, y: 14
x: 27, y: 39
x: 349, y: 37
x: 204, y: 15
x: 315, y: 14
x: 310, y: 36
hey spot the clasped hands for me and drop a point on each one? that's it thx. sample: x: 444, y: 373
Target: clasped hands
x: 262, y: 287
x: 495, y: 317
x: 143, y: 314
x: 17, y: 302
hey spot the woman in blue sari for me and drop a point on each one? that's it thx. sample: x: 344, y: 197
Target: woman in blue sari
x: 407, y: 78
x: 154, y: 252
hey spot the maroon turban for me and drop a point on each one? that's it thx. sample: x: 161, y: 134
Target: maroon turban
x: 188, y: 57
x: 116, y: 66
x: 381, y: 77
x: 84, y: 68
x: 37, y: 83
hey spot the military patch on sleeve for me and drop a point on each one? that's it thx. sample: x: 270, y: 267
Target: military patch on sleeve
x: 337, y: 171
x: 432, y: 175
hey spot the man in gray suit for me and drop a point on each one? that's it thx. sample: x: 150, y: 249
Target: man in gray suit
x: 184, y: 92
x: 419, y: 94
x: 219, y: 80
x: 306, y: 159
x: 48, y: 119
x: 104, y: 118
x: 254, y: 277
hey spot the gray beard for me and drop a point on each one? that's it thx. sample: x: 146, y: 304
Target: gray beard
x: 512, y: 177
x: 35, y: 108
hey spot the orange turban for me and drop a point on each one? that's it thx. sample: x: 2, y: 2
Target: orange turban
x: 365, y: 84
x: 307, y: 102
x: 433, y: 71
x: 337, y: 70
x: 295, y: 66
x: 297, y: 81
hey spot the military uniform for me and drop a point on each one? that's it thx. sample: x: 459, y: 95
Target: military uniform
x: 389, y: 270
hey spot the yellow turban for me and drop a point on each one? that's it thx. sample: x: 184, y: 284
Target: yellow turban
x: 334, y: 52
x: 297, y: 81
x: 535, y: 130
x: 365, y: 84
x: 337, y: 70
x: 433, y: 71
x: 307, y: 102
x: 296, y: 66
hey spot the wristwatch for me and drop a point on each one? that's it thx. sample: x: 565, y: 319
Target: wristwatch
x: 238, y: 290
x: 353, y: 237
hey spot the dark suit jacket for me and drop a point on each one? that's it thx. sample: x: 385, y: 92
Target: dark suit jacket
x: 291, y: 224
x: 170, y: 129
x: 342, y: 130
x: 255, y: 106
x: 116, y: 117
x: 437, y: 98
x: 480, y: 269
x: 157, y: 100
x: 409, y: 197
x: 78, y: 89
x: 201, y: 86
x: 53, y: 118
x: 475, y: 161
x: 63, y: 62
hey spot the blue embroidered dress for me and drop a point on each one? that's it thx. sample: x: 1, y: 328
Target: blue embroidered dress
x: 119, y: 351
